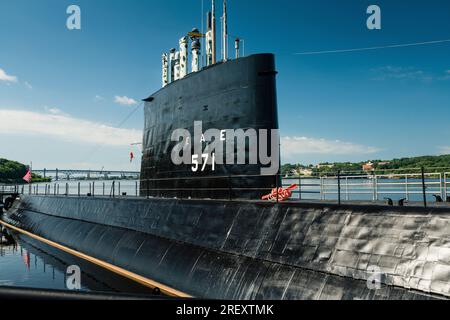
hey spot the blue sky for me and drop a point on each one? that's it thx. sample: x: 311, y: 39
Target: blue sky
x: 64, y: 93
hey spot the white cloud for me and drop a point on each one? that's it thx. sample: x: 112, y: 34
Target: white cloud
x: 28, y: 85
x: 6, y: 77
x: 446, y: 75
x: 98, y: 98
x: 299, y: 146
x: 125, y: 101
x: 400, y: 73
x: 53, y: 111
x: 444, y: 150
x: 64, y: 127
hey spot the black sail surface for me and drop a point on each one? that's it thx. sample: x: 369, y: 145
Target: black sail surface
x: 238, y: 94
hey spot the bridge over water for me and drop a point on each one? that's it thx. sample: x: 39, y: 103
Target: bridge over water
x: 68, y: 174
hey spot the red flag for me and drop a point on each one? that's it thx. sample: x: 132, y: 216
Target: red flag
x: 27, y: 177
x: 131, y: 156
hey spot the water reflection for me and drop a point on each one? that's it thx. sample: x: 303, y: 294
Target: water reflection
x: 26, y: 262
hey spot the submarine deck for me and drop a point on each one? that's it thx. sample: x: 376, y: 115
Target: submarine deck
x: 254, y: 249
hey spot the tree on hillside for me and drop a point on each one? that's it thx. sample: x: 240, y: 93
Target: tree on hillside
x: 11, y: 171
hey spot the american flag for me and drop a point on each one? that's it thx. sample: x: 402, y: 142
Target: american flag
x: 131, y: 156
x: 27, y: 177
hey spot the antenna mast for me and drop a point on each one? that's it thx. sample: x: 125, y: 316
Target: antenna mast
x: 213, y: 28
x: 225, y: 31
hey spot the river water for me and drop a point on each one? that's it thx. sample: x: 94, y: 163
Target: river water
x: 28, y: 263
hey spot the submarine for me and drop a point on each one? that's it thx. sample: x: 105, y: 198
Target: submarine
x: 200, y: 229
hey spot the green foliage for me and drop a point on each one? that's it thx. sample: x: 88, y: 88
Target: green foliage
x: 13, y: 172
x: 431, y: 164
x: 418, y: 162
x: 293, y: 169
x: 286, y: 169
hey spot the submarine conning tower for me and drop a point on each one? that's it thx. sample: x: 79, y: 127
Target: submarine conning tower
x: 175, y: 64
x: 233, y: 94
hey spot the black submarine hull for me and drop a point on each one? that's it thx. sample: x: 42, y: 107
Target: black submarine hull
x: 254, y: 250
x: 237, y: 94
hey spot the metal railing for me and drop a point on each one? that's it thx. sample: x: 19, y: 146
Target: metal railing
x: 447, y: 186
x: 225, y: 187
x: 354, y: 186
x: 331, y: 187
x: 378, y: 186
x: 84, y: 188
x: 9, y: 189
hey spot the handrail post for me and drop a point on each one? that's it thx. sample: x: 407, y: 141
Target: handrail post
x: 79, y: 189
x: 147, y: 189
x: 136, y: 188
x: 407, y: 187
x: 93, y: 188
x: 299, y: 188
x: 445, y: 186
x: 424, y: 188
x: 339, y: 187
x: 322, y: 195
x: 374, y: 184
x: 113, y: 189
x: 376, y: 187
x: 347, y: 195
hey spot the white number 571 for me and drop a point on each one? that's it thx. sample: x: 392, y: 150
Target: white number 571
x: 205, y: 157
